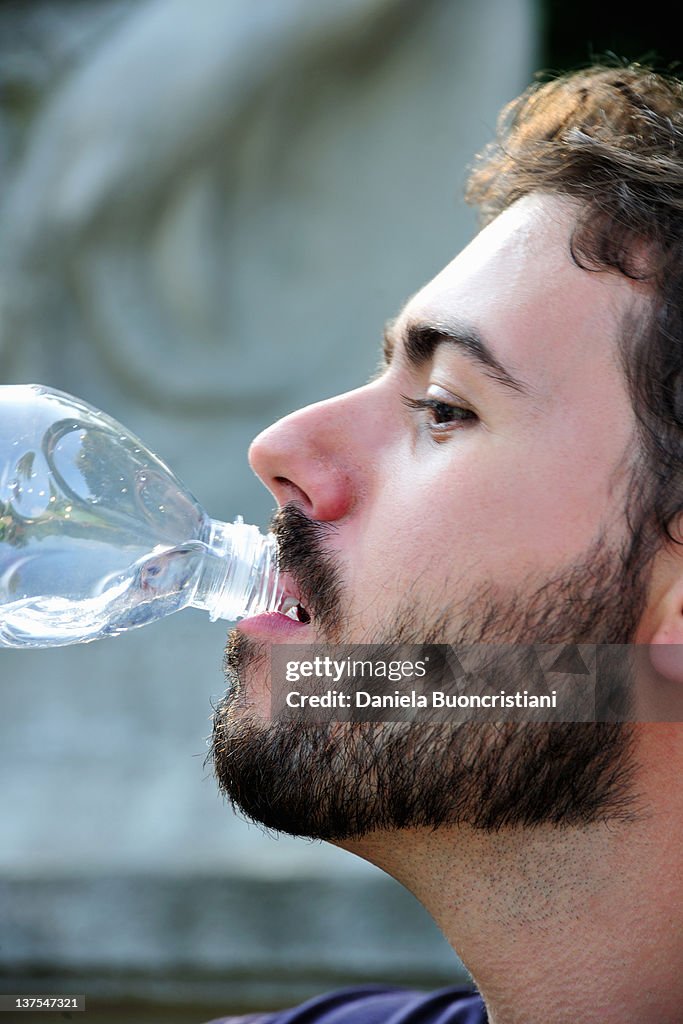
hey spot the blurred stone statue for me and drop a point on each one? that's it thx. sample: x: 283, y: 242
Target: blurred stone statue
x: 151, y: 167
x: 208, y: 210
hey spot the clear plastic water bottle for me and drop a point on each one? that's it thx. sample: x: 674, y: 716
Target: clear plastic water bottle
x: 98, y: 536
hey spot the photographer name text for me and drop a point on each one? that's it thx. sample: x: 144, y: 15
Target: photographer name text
x: 412, y: 699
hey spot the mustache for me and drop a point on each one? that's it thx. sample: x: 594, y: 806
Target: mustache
x: 303, y: 554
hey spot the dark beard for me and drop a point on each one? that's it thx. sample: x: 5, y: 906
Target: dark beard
x: 342, y: 780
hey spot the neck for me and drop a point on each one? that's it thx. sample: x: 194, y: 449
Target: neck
x: 557, y: 924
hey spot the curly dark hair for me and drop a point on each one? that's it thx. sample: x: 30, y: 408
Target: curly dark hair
x: 612, y: 138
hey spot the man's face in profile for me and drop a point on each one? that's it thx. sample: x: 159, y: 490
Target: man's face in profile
x: 476, y: 491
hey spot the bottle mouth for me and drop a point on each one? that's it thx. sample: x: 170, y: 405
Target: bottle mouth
x: 264, y: 589
x: 240, y: 576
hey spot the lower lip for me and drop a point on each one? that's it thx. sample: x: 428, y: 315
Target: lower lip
x: 273, y: 626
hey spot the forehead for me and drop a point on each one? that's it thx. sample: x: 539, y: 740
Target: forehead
x: 546, y: 318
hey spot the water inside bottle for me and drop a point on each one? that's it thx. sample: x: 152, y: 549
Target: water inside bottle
x: 96, y: 533
x: 152, y: 587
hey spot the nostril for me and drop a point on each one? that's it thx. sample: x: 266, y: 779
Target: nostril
x: 286, y: 491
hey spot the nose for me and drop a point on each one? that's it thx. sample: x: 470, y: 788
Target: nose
x: 311, y: 457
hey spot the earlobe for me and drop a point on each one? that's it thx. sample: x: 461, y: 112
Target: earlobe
x: 666, y: 639
x: 661, y: 629
x: 666, y: 658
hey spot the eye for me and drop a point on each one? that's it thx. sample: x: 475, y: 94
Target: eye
x: 441, y: 413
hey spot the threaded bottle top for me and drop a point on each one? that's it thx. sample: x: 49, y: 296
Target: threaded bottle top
x: 239, y: 574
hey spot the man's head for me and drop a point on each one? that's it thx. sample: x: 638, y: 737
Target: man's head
x: 513, y: 474
x: 612, y: 139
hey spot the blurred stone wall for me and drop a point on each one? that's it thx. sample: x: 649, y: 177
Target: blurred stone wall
x: 207, y: 213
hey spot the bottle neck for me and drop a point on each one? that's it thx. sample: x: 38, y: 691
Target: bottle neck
x: 238, y: 575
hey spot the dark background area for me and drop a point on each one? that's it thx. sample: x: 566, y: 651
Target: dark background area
x: 574, y: 34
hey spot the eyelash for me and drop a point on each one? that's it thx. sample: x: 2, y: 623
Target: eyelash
x: 460, y: 414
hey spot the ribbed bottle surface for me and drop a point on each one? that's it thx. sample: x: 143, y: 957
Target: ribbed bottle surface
x: 239, y: 575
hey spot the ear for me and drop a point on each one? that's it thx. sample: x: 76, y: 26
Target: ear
x: 660, y: 631
x: 667, y: 660
x: 666, y: 632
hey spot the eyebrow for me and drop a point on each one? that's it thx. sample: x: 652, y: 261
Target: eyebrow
x: 420, y: 341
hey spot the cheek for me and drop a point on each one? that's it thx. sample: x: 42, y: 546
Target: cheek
x: 572, y: 488
x: 493, y: 515
x: 421, y: 528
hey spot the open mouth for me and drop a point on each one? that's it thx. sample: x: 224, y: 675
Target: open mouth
x: 291, y: 604
x: 293, y: 609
